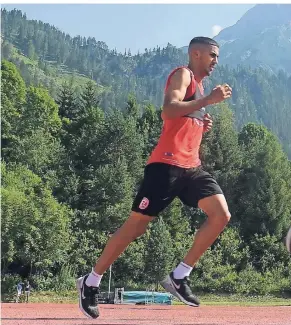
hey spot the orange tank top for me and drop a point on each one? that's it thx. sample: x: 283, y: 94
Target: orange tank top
x: 180, y: 139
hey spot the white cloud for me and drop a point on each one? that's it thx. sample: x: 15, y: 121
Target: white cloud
x: 215, y: 30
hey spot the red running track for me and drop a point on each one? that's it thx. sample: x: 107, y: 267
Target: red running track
x: 69, y: 314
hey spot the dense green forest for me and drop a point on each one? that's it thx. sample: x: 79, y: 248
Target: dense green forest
x: 43, y: 53
x: 72, y: 162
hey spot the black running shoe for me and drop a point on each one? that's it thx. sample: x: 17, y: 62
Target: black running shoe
x: 88, y: 298
x: 180, y: 289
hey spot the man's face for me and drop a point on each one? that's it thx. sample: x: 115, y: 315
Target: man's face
x: 207, y: 58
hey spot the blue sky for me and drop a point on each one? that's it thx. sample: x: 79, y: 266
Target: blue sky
x: 137, y: 26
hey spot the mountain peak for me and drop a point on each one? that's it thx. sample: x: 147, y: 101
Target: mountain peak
x: 257, y: 19
x: 261, y: 38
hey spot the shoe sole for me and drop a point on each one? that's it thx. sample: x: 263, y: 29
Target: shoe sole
x: 79, y: 284
x: 167, y: 284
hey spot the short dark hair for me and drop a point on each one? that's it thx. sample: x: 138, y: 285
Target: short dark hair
x: 203, y: 40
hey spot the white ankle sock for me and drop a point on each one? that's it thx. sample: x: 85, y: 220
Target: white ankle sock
x: 182, y: 270
x: 93, y: 279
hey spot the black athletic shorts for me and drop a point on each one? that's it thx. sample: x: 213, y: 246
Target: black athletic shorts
x: 163, y: 182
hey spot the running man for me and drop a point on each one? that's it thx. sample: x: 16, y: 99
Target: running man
x: 173, y: 170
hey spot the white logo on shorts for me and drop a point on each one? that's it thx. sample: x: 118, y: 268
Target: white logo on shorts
x: 144, y: 203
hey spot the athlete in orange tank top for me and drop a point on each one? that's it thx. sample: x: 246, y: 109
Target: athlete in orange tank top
x: 181, y: 137
x: 171, y: 173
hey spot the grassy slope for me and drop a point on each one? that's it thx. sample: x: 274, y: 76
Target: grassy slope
x: 56, y: 74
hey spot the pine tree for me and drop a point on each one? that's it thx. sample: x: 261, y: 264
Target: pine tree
x: 263, y: 191
x: 67, y: 102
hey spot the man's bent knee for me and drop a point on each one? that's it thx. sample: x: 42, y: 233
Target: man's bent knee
x: 216, y: 208
x: 225, y: 218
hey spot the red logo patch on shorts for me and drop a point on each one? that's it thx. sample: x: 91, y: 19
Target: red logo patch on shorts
x: 144, y: 203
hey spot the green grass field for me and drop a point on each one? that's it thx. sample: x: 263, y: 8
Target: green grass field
x: 206, y: 299
x: 237, y: 300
